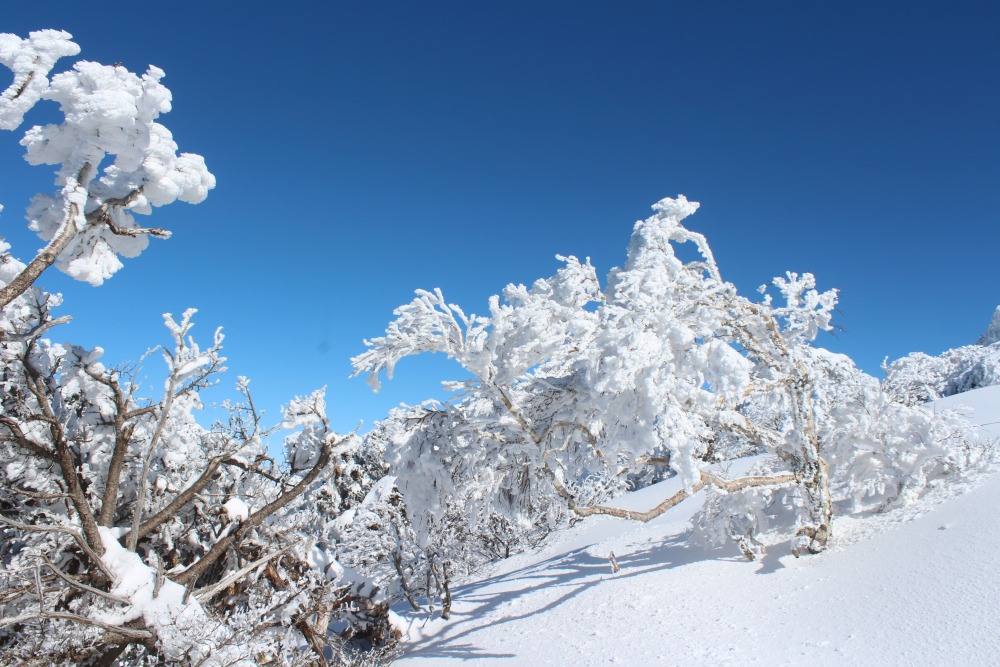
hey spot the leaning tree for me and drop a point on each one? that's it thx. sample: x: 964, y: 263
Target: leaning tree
x: 570, y: 381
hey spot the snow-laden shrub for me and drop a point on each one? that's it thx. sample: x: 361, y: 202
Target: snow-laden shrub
x: 918, y: 378
x: 880, y: 454
x: 151, y: 535
x: 571, y: 381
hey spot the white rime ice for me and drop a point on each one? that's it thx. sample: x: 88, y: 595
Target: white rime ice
x: 113, y: 159
x: 574, y: 389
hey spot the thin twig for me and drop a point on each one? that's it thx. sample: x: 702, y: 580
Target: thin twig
x: 82, y: 543
x: 82, y: 586
x: 62, y: 616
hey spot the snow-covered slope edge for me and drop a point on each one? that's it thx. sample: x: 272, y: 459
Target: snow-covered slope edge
x: 915, y: 586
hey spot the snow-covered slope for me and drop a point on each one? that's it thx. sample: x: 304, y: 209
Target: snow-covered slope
x: 917, y: 586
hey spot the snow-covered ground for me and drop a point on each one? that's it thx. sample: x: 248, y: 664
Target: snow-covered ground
x: 916, y: 586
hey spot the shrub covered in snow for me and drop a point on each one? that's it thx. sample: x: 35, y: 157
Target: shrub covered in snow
x: 918, y: 377
x: 571, y: 382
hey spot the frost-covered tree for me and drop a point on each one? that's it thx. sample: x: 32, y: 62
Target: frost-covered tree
x: 153, y: 536
x: 113, y: 160
x: 918, y: 377
x: 572, y: 382
x: 574, y: 386
x: 880, y: 453
x: 129, y: 533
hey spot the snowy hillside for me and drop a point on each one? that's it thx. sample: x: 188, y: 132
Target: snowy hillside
x: 912, y: 586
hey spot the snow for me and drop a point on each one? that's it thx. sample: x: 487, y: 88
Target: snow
x: 236, y: 509
x: 176, y: 622
x: 109, y: 118
x: 915, y: 586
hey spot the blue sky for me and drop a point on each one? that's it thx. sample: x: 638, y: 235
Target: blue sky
x: 363, y: 150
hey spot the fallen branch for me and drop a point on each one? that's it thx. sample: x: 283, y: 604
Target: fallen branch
x: 63, y: 616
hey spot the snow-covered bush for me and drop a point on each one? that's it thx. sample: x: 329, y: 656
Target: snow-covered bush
x: 571, y: 381
x: 129, y: 533
x: 880, y: 453
x: 375, y: 537
x: 148, y: 530
x: 918, y: 377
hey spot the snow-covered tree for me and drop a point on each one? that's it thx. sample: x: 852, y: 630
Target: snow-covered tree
x: 113, y: 159
x: 880, y: 453
x: 129, y: 533
x: 571, y: 381
x: 574, y: 387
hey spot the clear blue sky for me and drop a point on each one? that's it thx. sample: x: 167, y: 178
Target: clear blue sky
x: 366, y: 149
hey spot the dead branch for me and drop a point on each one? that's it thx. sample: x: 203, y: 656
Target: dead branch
x: 141, y: 635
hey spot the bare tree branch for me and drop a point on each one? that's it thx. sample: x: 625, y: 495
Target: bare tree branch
x: 706, y: 478
x: 63, y: 616
x: 257, y: 518
x: 77, y: 537
x: 182, y: 499
x: 82, y: 586
x: 207, y: 593
x: 66, y: 457
x: 37, y: 331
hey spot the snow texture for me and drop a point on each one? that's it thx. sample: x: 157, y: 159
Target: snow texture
x: 236, y: 509
x: 177, y: 624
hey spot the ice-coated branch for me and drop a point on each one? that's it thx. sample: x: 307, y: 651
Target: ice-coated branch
x: 65, y: 455
x: 426, y: 324
x: 123, y: 436
x: 82, y: 586
x: 181, y: 500
x: 107, y: 111
x: 77, y: 537
x: 141, y: 635
x: 36, y: 331
x: 30, y: 60
x: 18, y: 436
x: 188, y: 368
